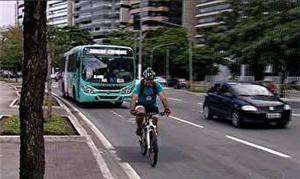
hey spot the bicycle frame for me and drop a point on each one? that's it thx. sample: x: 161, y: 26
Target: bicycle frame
x: 149, y: 127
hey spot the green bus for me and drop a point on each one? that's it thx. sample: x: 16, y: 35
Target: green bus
x: 99, y: 73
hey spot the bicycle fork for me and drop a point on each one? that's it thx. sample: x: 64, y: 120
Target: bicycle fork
x: 150, y: 127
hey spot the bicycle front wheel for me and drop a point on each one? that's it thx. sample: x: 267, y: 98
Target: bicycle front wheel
x: 153, y: 151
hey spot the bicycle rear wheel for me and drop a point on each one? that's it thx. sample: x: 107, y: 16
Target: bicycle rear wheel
x: 153, y: 151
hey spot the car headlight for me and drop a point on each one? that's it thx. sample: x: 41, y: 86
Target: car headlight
x: 249, y: 108
x: 287, y: 107
x: 87, y: 89
x: 128, y: 90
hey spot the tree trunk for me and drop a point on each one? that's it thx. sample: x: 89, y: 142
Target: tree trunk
x: 32, y: 150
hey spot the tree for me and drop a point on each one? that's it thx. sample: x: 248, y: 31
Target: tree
x: 178, y: 55
x: 260, y: 32
x: 65, y: 38
x: 32, y: 150
x: 11, y: 49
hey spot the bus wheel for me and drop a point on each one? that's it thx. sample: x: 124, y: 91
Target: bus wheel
x: 118, y: 104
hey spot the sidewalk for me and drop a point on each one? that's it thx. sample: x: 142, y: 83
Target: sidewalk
x: 67, y: 157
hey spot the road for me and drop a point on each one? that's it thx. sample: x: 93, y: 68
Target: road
x: 192, y: 147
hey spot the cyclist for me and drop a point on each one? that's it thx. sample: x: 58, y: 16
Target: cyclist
x: 144, y: 99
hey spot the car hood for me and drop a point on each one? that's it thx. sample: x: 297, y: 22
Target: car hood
x: 262, y: 101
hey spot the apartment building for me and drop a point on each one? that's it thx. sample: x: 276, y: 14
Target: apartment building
x: 156, y: 12
x: 97, y: 16
x: 207, y: 12
x: 59, y: 12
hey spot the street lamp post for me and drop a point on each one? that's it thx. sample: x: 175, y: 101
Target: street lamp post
x: 190, y: 51
x: 152, y: 50
x: 140, y: 42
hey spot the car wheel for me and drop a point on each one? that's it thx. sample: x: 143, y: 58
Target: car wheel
x: 236, y: 119
x: 206, y: 113
x: 282, y: 124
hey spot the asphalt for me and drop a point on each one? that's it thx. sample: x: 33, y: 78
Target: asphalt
x: 186, y: 150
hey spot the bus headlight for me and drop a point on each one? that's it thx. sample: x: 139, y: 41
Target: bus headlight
x: 87, y: 89
x: 128, y: 90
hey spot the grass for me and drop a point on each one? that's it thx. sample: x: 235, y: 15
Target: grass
x: 199, y: 90
x: 56, y: 125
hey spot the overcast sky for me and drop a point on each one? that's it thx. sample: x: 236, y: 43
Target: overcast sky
x: 7, y: 12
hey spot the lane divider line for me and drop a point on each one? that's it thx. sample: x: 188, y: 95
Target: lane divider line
x: 175, y: 99
x: 259, y: 147
x: 119, y: 115
x: 297, y: 115
x: 187, y: 122
x: 200, y: 103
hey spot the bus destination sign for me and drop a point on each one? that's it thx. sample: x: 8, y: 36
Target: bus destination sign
x: 109, y: 51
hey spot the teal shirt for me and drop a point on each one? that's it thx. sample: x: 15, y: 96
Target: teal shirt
x: 148, y: 98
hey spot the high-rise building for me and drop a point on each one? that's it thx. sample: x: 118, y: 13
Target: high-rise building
x: 59, y: 12
x: 189, y: 20
x: 97, y: 16
x: 207, y: 12
x: 156, y: 12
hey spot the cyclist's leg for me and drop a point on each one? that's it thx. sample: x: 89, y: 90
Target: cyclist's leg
x: 139, y: 119
x: 155, y: 119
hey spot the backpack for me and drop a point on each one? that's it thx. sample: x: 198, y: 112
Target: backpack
x: 154, y: 88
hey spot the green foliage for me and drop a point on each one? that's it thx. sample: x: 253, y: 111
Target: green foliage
x: 56, y: 125
x: 260, y: 32
x: 64, y: 39
x: 203, y: 58
x: 11, y: 47
x: 11, y: 126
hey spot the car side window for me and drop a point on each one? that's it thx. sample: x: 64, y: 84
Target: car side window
x: 224, y: 91
x: 215, y: 88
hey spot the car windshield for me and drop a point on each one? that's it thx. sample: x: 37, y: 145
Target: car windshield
x: 251, y: 90
x: 111, y: 70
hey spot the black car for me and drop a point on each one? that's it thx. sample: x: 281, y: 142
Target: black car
x: 245, y: 102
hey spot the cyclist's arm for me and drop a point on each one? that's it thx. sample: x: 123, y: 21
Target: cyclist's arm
x: 133, y: 101
x: 163, y: 98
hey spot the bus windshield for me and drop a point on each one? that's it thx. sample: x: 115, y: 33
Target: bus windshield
x: 108, y: 70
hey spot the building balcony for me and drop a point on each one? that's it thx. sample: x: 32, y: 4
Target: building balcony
x: 214, y: 13
x: 146, y: 9
x: 211, y: 3
x: 209, y: 24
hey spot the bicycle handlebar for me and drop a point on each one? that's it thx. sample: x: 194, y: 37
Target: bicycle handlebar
x: 150, y: 114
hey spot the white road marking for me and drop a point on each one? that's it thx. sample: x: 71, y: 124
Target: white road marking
x: 200, y: 103
x: 12, y: 104
x: 259, y: 147
x: 119, y: 115
x: 175, y: 99
x: 131, y: 173
x: 97, y: 154
x: 187, y: 122
x: 297, y: 115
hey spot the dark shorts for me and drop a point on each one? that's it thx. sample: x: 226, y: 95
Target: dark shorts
x: 149, y: 109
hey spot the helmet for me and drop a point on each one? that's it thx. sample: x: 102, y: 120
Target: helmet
x: 149, y: 74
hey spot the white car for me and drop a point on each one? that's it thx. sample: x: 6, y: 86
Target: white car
x: 161, y: 80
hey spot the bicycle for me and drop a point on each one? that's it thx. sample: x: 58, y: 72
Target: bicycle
x: 148, y: 139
